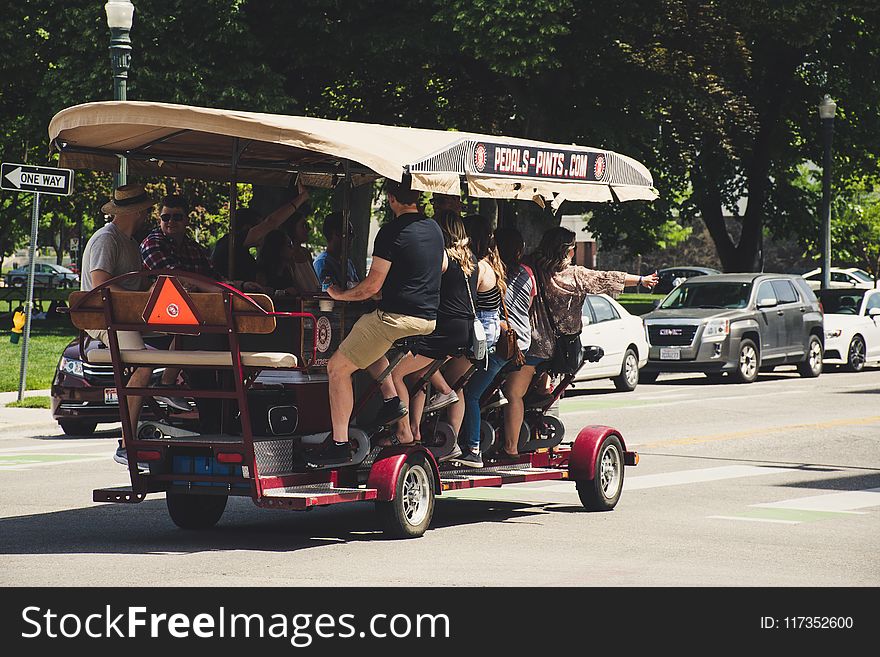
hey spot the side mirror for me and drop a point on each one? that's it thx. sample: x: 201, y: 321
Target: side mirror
x: 767, y: 303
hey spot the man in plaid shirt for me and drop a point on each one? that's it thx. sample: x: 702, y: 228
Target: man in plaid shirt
x: 169, y: 246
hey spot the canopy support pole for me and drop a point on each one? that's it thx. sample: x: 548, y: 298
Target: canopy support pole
x: 233, y: 208
x: 346, y: 216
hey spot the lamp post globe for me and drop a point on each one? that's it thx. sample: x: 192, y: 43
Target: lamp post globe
x: 119, y: 18
x: 827, y: 110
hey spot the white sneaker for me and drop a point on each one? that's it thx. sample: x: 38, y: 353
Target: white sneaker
x: 496, y: 401
x: 440, y: 400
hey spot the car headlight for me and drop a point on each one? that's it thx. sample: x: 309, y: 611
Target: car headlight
x: 71, y: 366
x: 833, y: 334
x: 716, y: 329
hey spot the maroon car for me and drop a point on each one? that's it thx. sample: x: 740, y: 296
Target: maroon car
x: 84, y: 394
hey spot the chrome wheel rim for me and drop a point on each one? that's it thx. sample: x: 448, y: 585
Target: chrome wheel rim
x: 857, y: 353
x: 415, y: 495
x: 748, y: 361
x: 815, y: 355
x: 632, y: 370
x: 609, y: 471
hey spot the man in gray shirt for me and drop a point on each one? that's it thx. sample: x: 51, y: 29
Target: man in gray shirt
x: 113, y: 251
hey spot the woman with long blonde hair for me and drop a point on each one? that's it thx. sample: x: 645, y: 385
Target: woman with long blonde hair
x: 451, y: 336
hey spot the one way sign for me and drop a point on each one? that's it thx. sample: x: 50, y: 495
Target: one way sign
x: 44, y: 180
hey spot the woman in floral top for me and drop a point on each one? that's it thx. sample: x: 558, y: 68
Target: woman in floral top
x: 564, y: 288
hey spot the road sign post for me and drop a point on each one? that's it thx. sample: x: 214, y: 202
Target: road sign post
x: 34, y: 180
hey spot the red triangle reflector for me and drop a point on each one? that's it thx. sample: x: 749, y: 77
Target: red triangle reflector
x: 170, y: 304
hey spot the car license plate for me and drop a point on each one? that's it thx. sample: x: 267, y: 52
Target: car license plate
x: 670, y: 354
x: 110, y: 396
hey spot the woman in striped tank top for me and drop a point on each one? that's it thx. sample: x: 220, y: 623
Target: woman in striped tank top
x: 507, y: 245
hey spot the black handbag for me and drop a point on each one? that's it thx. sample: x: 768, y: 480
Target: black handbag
x: 568, y: 352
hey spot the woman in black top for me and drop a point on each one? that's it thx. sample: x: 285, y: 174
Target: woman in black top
x: 452, y: 334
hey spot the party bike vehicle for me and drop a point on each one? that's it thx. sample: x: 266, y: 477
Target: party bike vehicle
x: 274, y: 393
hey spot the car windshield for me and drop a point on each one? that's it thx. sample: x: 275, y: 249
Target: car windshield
x: 841, y: 302
x: 863, y: 275
x: 709, y: 295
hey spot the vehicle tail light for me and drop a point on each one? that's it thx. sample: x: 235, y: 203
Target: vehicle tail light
x: 149, y: 455
x: 229, y: 457
x: 821, y: 308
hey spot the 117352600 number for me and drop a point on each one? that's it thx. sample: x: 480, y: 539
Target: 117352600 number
x: 807, y: 623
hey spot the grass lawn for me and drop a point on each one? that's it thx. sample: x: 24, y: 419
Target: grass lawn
x: 32, y: 402
x: 47, y: 341
x: 638, y: 304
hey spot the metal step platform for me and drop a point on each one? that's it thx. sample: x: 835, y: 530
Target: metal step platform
x: 462, y: 478
x: 311, y: 495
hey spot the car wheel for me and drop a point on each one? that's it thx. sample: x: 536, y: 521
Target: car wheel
x: 855, y: 359
x: 78, y: 427
x: 195, y: 511
x: 811, y: 366
x: 747, y: 368
x: 603, y: 491
x: 628, y: 378
x: 648, y: 377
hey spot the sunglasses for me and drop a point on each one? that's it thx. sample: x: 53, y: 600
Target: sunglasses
x: 172, y: 217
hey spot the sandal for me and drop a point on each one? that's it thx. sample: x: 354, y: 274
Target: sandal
x: 394, y: 441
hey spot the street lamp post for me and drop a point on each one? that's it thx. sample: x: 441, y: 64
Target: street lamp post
x: 119, y: 17
x: 827, y: 109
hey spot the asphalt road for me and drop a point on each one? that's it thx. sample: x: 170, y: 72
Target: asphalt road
x: 776, y: 483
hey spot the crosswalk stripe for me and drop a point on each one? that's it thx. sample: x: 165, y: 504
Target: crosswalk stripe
x: 840, y: 502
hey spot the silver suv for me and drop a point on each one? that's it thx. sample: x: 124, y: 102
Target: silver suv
x: 735, y: 324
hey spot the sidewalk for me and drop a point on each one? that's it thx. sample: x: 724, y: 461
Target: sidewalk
x: 12, y: 419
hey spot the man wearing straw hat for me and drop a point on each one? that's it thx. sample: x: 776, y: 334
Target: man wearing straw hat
x: 112, y: 251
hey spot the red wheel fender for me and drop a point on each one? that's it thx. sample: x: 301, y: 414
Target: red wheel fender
x: 585, y: 451
x: 387, y: 466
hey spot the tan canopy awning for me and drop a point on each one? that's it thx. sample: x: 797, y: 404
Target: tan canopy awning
x: 160, y: 139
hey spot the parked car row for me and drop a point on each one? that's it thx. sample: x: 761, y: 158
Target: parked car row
x: 45, y: 275
x: 737, y: 325
x: 840, y: 278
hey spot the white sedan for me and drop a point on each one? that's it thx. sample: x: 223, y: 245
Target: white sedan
x: 848, y: 278
x: 621, y: 335
x: 852, y: 327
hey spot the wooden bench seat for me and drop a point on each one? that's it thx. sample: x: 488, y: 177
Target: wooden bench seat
x: 266, y: 359
x: 248, y: 315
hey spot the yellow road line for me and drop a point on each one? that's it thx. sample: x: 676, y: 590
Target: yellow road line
x: 694, y: 440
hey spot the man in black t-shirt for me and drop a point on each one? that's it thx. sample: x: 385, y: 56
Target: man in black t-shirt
x: 408, y: 259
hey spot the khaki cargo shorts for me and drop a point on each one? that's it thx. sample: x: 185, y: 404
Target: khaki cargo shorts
x: 127, y: 339
x: 373, y: 334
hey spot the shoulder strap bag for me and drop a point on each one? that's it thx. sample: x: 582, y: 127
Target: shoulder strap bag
x: 479, y: 349
x: 507, y: 346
